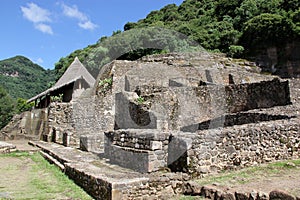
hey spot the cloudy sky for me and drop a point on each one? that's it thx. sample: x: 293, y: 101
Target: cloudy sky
x: 44, y: 31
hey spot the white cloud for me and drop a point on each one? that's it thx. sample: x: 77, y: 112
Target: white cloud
x: 44, y: 28
x: 35, y: 14
x: 40, y: 61
x: 84, y: 21
x: 87, y: 25
x: 38, y: 16
x: 73, y: 12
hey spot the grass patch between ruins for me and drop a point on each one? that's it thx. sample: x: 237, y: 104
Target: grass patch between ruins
x: 243, y: 176
x: 29, y: 176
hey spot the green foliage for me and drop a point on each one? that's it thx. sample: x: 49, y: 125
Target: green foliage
x: 140, y: 100
x: 23, y: 106
x: 58, y: 98
x: 270, y: 29
x: 235, y: 51
x: 217, y: 25
x: 23, y: 79
x: 105, y: 85
x: 6, y: 108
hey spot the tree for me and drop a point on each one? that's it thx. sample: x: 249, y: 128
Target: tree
x: 266, y: 29
x: 6, y: 108
x: 23, y: 106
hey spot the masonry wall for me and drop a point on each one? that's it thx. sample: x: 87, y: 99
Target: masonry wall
x: 28, y: 125
x: 60, y: 121
x: 85, y: 118
x: 162, y: 185
x: 140, y: 150
x: 245, y: 145
x: 174, y: 108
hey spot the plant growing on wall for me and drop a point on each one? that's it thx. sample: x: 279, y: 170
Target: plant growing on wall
x: 58, y: 98
x: 140, y: 100
x: 105, y: 85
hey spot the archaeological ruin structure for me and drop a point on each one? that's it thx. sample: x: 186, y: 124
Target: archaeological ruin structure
x: 192, y: 113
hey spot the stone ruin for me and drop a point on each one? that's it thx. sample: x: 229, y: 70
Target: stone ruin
x: 192, y: 113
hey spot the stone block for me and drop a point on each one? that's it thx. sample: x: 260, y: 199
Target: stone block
x: 228, y: 196
x: 279, y: 194
x: 92, y: 143
x: 208, y: 192
x: 262, y: 196
x: 241, y: 195
x: 155, y: 145
x: 192, y: 188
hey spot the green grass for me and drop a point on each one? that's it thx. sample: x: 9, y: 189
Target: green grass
x: 42, y: 180
x: 248, y: 174
x: 16, y: 154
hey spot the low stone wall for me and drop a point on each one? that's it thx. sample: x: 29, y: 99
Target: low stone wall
x: 263, y: 94
x: 246, y: 145
x: 97, y: 188
x: 214, y: 192
x: 140, y: 150
x: 234, y: 119
x: 204, y: 151
x: 162, y: 185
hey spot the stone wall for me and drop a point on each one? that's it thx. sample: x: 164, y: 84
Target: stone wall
x: 264, y: 94
x: 283, y: 61
x: 140, y: 150
x: 96, y: 187
x: 83, y: 121
x: 246, y: 145
x: 163, y: 185
x: 204, y: 151
x: 60, y: 122
x: 27, y: 125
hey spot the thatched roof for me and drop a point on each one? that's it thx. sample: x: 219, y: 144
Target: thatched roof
x: 74, y: 72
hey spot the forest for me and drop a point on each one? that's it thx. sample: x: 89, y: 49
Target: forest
x: 235, y: 28
x: 20, y: 79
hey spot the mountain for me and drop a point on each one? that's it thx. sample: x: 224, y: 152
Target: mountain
x: 240, y: 28
x: 21, y: 78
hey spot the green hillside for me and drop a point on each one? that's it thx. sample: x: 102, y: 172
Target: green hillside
x: 21, y: 78
x: 235, y: 27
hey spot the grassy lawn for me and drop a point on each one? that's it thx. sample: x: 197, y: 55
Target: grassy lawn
x: 29, y: 176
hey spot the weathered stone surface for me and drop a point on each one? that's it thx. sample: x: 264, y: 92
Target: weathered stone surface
x: 208, y: 192
x: 6, y: 147
x: 187, y: 116
x: 241, y: 195
x: 192, y: 188
x: 280, y: 195
x: 92, y: 142
x: 262, y: 196
x: 228, y: 196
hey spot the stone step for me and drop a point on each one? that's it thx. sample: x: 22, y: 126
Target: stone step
x: 7, y: 147
x: 51, y: 160
x: 94, y: 174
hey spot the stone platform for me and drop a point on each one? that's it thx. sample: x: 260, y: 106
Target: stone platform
x: 6, y: 147
x: 100, y: 179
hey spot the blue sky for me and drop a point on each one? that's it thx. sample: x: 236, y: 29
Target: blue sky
x: 44, y: 31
